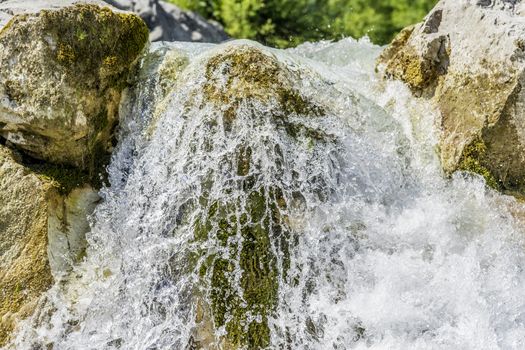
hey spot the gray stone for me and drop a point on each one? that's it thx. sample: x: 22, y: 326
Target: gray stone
x: 167, y: 22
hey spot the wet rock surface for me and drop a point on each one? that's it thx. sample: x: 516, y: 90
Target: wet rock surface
x: 469, y: 58
x: 42, y: 233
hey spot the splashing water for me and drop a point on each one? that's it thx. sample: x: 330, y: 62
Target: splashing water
x: 288, y: 200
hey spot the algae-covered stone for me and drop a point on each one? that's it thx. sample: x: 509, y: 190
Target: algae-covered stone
x: 64, y: 65
x: 468, y: 57
x: 32, y: 213
x: 247, y: 223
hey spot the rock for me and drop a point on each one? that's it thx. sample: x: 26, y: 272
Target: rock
x: 24, y: 272
x: 250, y: 205
x: 64, y: 65
x: 33, y: 212
x: 468, y: 57
x: 157, y: 77
x: 169, y: 23
x: 67, y: 226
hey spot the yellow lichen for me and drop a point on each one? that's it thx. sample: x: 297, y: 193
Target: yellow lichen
x: 65, y: 54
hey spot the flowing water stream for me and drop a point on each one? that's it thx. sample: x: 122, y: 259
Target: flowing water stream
x: 289, y: 199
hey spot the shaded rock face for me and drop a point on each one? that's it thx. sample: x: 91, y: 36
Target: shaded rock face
x: 169, y: 23
x: 469, y: 58
x: 32, y: 216
x: 63, y: 70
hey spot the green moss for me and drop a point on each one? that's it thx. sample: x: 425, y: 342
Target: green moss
x: 252, y: 74
x: 257, y: 219
x: 409, y: 67
x: 472, y: 161
x: 65, y: 54
x: 94, y: 43
x: 259, y: 278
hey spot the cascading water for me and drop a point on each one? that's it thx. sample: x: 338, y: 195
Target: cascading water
x: 286, y: 200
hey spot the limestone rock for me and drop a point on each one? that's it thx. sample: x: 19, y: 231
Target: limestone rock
x: 468, y: 56
x: 42, y: 232
x: 64, y: 65
x: 167, y: 22
x: 24, y: 270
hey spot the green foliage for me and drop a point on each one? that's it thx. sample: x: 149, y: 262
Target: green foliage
x: 286, y: 23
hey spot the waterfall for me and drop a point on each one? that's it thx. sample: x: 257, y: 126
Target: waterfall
x: 286, y: 199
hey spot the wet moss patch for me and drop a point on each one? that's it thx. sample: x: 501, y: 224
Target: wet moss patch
x: 95, y: 44
x: 472, y: 160
x: 246, y: 72
x: 244, y: 315
x: 242, y: 272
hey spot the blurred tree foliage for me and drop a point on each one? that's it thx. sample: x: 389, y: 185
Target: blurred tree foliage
x: 285, y: 23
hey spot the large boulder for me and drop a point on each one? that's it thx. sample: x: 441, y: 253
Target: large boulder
x: 468, y: 56
x: 42, y: 233
x: 64, y: 65
x: 167, y: 22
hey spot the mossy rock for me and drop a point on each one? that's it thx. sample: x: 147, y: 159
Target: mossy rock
x: 254, y: 74
x: 476, y: 87
x: 65, y: 68
x: 250, y: 229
